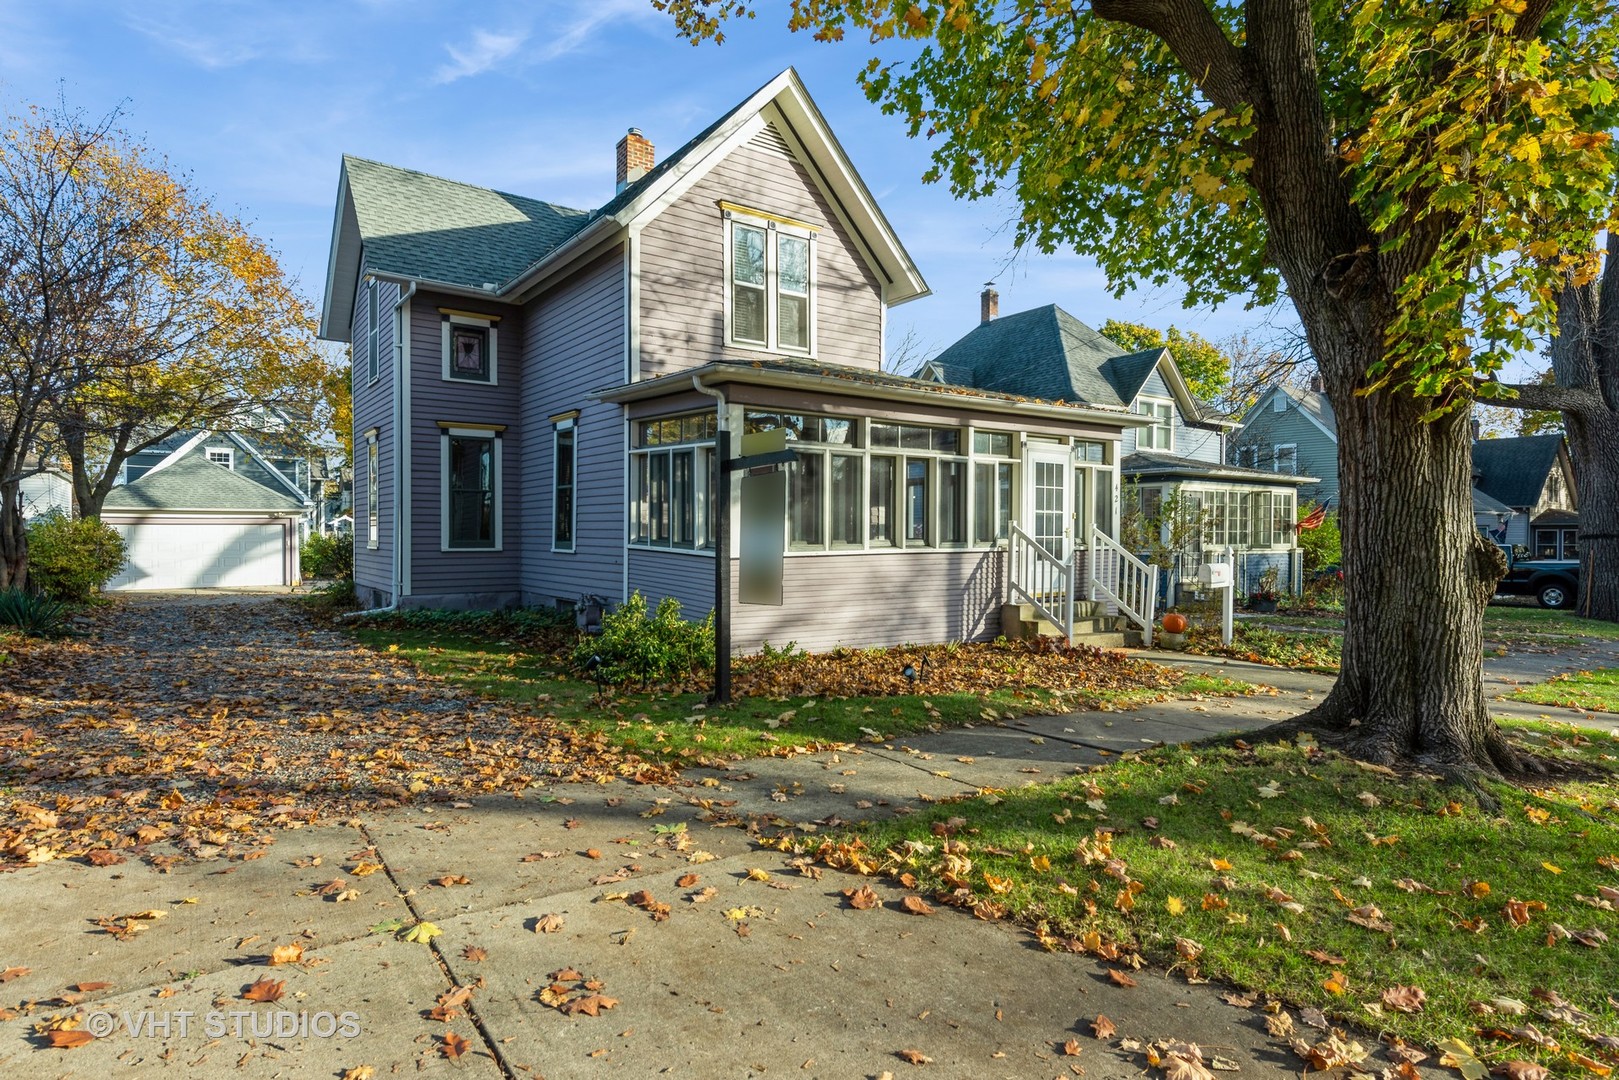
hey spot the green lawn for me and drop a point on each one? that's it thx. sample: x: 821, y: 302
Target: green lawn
x: 681, y: 726
x: 1300, y: 873
x: 1594, y: 691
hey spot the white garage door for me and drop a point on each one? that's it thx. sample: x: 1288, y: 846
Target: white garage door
x: 201, y: 555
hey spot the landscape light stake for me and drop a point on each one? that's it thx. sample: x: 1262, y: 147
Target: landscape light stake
x: 593, y: 669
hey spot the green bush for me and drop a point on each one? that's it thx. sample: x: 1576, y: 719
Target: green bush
x: 32, y: 613
x: 70, y: 558
x: 327, y: 556
x: 646, y: 649
x: 1322, y: 546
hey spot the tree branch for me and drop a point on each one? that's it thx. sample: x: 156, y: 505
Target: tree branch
x: 1546, y: 398
x: 1198, y: 41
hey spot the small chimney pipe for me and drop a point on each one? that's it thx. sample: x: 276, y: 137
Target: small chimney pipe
x: 989, y: 303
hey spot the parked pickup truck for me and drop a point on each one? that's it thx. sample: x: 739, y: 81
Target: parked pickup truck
x: 1553, y: 582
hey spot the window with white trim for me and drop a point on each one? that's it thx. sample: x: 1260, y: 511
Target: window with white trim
x: 222, y: 455
x: 471, y: 489
x: 372, y: 362
x: 373, y: 500
x: 469, y: 345
x: 674, y: 481
x: 1161, y: 435
x: 563, y: 442
x: 1286, y: 459
x: 770, y: 284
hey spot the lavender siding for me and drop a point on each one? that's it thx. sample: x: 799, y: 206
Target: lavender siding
x: 687, y: 578
x: 462, y: 578
x: 682, y: 265
x: 576, y: 344
x: 373, y: 408
x: 878, y: 599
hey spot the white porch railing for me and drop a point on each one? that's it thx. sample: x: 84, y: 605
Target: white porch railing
x: 1036, y: 577
x: 1134, y: 584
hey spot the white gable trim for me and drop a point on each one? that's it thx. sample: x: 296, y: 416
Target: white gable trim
x: 180, y: 451
x: 1295, y: 405
x: 269, y: 468
x: 801, y: 124
x: 345, y: 239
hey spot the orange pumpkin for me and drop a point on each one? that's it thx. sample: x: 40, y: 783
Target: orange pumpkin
x: 1174, y: 623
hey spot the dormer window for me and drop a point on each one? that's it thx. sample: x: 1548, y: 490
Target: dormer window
x: 1160, y: 436
x: 770, y: 275
x: 222, y: 456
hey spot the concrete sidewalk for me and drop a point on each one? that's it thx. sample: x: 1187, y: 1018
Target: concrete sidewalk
x: 771, y: 973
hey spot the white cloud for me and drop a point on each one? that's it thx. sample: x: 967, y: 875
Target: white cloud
x: 486, y: 50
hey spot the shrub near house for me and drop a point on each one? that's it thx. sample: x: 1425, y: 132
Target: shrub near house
x: 70, y: 558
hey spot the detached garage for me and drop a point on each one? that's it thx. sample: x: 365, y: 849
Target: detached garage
x: 195, y: 524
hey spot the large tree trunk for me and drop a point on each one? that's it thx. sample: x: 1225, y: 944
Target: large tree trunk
x: 13, y: 538
x: 1417, y: 576
x: 1593, y: 442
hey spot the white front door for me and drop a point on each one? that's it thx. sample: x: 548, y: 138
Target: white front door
x: 1049, y: 499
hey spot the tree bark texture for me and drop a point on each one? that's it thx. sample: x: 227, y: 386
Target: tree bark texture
x: 1593, y: 442
x: 1417, y: 574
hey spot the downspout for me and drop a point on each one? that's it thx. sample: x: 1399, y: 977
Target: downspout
x: 398, y: 571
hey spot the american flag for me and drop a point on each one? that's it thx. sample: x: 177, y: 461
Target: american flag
x: 1314, y: 518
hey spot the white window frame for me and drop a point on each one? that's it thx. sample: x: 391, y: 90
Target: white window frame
x: 230, y: 456
x: 773, y: 228
x: 565, y: 425
x: 703, y: 452
x: 493, y: 433
x: 373, y: 362
x: 1162, y: 413
x: 373, y: 495
x: 1276, y: 458
x: 490, y: 326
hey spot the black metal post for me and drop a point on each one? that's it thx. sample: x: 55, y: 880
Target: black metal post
x: 722, y: 574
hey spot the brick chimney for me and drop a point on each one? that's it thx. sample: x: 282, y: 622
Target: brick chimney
x: 1316, y: 384
x: 989, y: 303
x: 634, y: 158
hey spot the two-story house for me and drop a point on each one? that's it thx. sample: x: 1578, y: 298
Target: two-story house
x: 1177, y: 459
x: 541, y: 394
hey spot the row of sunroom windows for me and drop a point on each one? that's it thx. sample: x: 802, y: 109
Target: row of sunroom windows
x: 856, y: 484
x: 1231, y: 517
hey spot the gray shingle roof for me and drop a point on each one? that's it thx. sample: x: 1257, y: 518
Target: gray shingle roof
x: 1152, y: 463
x: 1483, y: 504
x: 423, y: 226
x: 1515, y: 470
x: 195, y: 483
x: 1042, y: 353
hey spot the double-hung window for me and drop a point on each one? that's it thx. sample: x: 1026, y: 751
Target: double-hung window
x: 674, y: 482
x: 563, y: 449
x: 1286, y: 459
x: 1160, y: 436
x: 373, y: 501
x: 770, y: 283
x: 471, y: 488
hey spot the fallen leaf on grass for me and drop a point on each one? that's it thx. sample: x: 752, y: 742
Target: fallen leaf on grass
x: 1521, y: 1070
x: 265, y: 989
x: 1458, y: 1055
x: 1406, y: 999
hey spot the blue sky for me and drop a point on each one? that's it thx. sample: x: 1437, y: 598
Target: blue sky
x: 257, y: 101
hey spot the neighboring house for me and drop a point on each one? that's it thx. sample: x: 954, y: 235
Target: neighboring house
x: 1291, y: 431
x: 1533, y: 475
x: 266, y: 458
x: 1048, y: 353
x: 541, y: 394
x: 46, y: 491
x: 1523, y: 489
x: 193, y: 522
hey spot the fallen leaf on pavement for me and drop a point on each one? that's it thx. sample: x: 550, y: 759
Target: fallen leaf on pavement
x: 1103, y: 1028
x: 863, y: 899
x: 915, y: 1057
x: 916, y: 905
x: 1120, y: 978
x: 265, y: 989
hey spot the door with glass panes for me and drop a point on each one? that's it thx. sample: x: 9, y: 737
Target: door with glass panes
x: 1049, y: 499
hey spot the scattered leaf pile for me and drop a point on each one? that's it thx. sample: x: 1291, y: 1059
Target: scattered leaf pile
x: 1297, y: 649
x: 209, y: 727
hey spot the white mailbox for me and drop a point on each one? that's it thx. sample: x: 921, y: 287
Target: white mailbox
x: 1214, y: 575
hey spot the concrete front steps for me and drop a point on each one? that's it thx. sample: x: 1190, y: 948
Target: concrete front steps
x: 1092, y: 624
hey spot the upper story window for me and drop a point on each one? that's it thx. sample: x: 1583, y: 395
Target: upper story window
x: 1161, y: 435
x: 469, y: 340
x: 372, y: 368
x: 1287, y: 459
x: 770, y: 275
x: 222, y: 456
